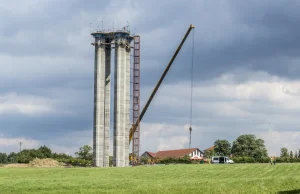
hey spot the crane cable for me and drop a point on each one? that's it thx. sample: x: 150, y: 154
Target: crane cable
x: 192, y: 86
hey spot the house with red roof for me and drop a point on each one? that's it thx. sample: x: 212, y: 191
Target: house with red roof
x: 193, y: 153
x: 212, y: 148
x: 150, y: 155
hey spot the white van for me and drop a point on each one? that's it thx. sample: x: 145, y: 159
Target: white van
x: 221, y: 160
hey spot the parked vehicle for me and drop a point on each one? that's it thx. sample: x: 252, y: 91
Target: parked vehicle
x: 221, y: 160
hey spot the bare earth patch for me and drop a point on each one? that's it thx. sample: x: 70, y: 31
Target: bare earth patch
x: 37, y: 163
x: 42, y: 163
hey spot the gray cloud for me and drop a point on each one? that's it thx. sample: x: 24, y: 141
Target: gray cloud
x: 46, y: 53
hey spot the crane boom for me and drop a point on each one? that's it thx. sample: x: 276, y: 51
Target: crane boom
x: 134, y: 126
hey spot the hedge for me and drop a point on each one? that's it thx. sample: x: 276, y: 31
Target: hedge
x: 287, y: 160
x: 264, y: 160
x: 76, y: 162
x: 185, y: 160
x: 246, y: 159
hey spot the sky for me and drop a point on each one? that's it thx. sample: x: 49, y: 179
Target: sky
x: 246, y: 71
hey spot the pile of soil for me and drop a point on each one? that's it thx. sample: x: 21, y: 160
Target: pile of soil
x: 43, y: 163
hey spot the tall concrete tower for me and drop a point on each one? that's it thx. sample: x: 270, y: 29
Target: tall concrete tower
x: 121, y: 99
x: 103, y: 46
x: 101, y: 100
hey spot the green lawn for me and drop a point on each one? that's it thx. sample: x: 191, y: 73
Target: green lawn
x: 237, y: 178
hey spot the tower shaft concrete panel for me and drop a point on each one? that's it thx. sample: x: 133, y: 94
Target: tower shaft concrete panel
x: 119, y: 104
x: 127, y: 104
x: 107, y: 105
x: 121, y: 100
x: 101, y: 104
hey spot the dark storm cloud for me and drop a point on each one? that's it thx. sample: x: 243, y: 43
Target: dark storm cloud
x: 43, y: 127
x: 259, y: 36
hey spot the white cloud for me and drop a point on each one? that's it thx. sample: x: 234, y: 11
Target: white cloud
x: 224, y: 108
x: 163, y: 136
x: 40, y: 67
x: 68, y: 143
x: 8, y: 145
x: 175, y: 142
x: 275, y: 140
x: 71, y: 142
x: 24, y: 104
x: 225, y: 92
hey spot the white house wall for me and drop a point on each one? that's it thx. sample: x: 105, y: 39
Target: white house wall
x: 196, y: 153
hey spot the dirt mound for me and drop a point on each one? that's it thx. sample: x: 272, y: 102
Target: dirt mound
x: 47, y: 162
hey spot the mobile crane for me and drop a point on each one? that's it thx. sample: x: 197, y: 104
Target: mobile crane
x: 135, y: 125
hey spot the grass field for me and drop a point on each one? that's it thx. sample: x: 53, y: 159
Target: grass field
x: 237, y: 178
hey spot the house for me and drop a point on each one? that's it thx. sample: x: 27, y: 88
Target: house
x: 212, y: 148
x: 149, y: 155
x: 209, y: 151
x: 180, y: 153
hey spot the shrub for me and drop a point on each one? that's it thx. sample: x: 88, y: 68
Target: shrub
x: 12, y: 157
x: 287, y: 160
x: 264, y: 160
x: 76, y: 162
x: 245, y: 159
x: 3, y: 158
x: 61, y: 156
x: 175, y: 161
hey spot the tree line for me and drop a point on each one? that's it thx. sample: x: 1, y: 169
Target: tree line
x: 83, y: 157
x: 245, y: 149
x: 248, y: 148
x: 286, y: 156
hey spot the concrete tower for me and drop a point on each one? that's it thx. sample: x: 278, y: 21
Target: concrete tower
x: 101, y: 101
x: 121, y: 99
x: 103, y: 41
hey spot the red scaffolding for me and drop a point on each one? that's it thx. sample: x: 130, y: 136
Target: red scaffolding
x: 136, y: 97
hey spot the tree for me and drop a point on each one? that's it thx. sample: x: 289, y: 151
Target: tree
x: 299, y: 153
x: 248, y: 145
x: 3, y: 158
x: 284, y: 153
x: 45, y: 152
x: 27, y: 155
x: 12, y: 157
x: 61, y: 156
x: 209, y: 153
x: 295, y: 156
x: 222, y: 147
x: 85, y: 153
x: 291, y: 154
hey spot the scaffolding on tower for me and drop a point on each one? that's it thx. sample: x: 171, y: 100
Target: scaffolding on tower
x: 136, y: 97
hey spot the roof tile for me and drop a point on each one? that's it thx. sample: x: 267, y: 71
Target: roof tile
x: 174, y: 153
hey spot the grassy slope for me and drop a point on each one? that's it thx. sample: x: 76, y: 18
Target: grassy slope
x: 242, y: 178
